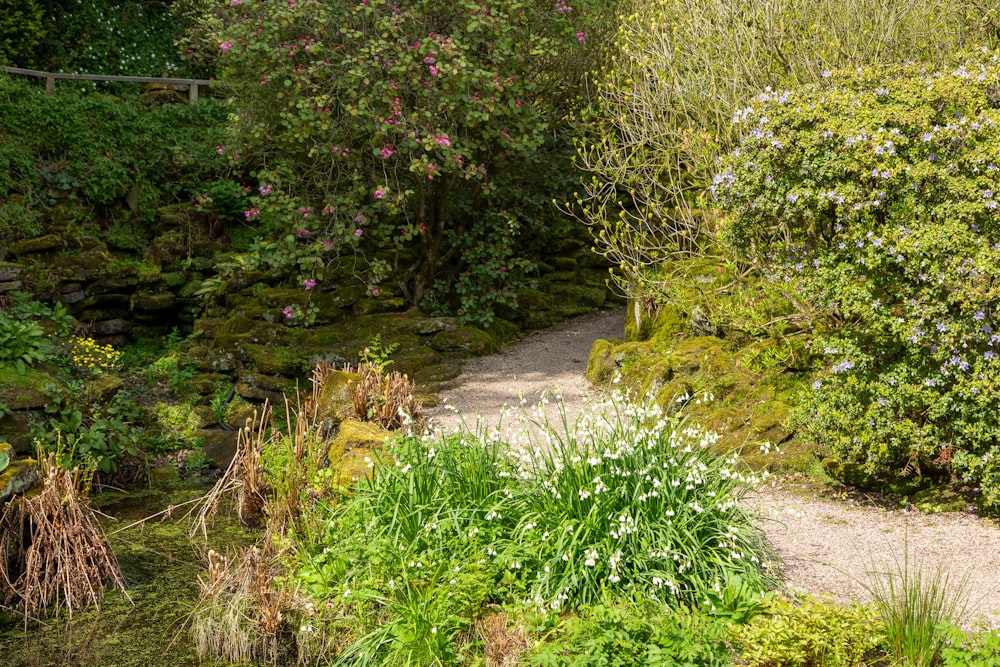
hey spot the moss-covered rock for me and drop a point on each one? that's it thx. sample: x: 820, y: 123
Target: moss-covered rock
x: 601, y: 366
x: 220, y: 446
x: 355, y: 441
x: 10, y: 271
x: 437, y: 377
x: 705, y: 353
x: 24, y: 392
x: 371, y: 306
x: 37, y: 244
x: 503, y: 331
x: 18, y: 478
x: 287, y: 361
x: 152, y: 302
x: 260, y: 387
x: 335, y: 403
x: 102, y: 389
x: 465, y: 341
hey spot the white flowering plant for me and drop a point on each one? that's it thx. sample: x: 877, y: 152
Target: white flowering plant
x: 630, y: 499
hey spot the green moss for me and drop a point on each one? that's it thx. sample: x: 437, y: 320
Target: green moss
x: 601, y: 366
x: 355, y: 441
x: 21, y: 392
x: 464, y: 341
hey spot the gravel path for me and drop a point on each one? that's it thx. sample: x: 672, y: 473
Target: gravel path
x: 828, y: 547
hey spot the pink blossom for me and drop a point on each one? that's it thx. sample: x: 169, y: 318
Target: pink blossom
x: 226, y: 45
x: 387, y: 152
x: 433, y: 70
x: 236, y: 2
x: 251, y: 214
x: 264, y: 190
x: 301, y: 233
x: 374, y: 291
x: 380, y: 193
x: 443, y: 140
x: 580, y: 37
x: 327, y: 244
x: 358, y: 232
x: 219, y: 150
x: 289, y: 313
x: 309, y: 283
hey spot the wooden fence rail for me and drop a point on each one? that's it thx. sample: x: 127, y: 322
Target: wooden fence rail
x: 50, y: 79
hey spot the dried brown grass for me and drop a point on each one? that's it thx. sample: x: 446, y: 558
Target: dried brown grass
x: 53, y: 553
x: 241, y: 616
x: 244, y: 481
x: 502, y: 644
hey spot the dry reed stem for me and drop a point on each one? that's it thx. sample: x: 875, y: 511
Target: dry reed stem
x: 243, y: 480
x: 54, y: 553
x: 387, y: 400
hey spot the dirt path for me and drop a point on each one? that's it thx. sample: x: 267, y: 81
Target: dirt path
x: 828, y: 547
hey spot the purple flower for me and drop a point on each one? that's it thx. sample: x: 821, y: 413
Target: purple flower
x: 979, y: 316
x: 308, y: 283
x: 843, y: 366
x: 289, y: 313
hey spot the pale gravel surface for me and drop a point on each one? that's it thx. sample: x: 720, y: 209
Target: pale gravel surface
x: 827, y: 546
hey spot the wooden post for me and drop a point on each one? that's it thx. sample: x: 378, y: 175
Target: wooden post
x: 50, y: 85
x: 193, y: 92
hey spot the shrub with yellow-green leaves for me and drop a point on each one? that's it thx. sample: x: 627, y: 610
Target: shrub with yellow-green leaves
x: 874, y: 196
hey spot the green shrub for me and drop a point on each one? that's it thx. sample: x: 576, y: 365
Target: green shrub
x: 20, y: 30
x: 620, y: 633
x: 630, y: 499
x: 812, y: 633
x: 916, y: 609
x: 107, y: 37
x: 873, y: 198
x: 22, y: 343
x: 97, y: 149
x: 978, y: 650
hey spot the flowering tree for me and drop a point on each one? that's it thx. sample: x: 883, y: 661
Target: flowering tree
x: 874, y: 195
x: 420, y: 133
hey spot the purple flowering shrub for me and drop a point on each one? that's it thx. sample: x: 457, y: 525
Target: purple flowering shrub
x: 418, y: 134
x: 873, y: 197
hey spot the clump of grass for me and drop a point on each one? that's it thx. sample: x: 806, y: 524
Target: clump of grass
x: 916, y: 608
x: 241, y: 615
x: 53, y: 554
